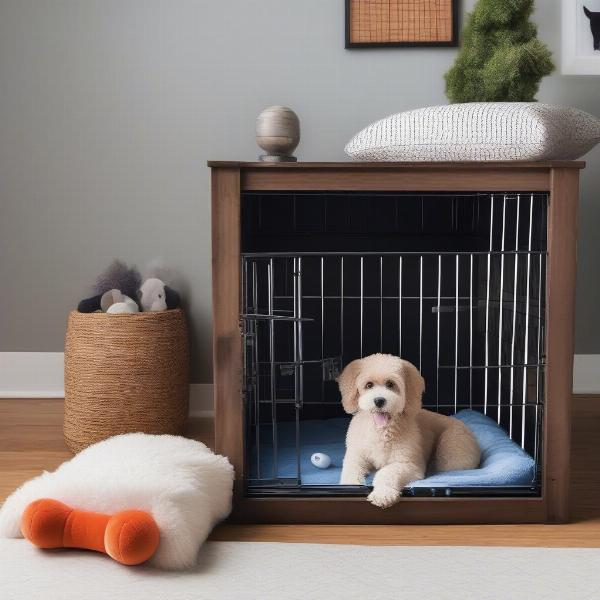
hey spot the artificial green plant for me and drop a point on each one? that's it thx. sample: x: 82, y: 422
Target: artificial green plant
x: 501, y: 59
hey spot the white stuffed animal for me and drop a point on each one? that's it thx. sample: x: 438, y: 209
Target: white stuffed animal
x: 154, y: 296
x: 184, y: 486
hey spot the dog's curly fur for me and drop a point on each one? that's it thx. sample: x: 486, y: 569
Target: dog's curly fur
x: 391, y: 433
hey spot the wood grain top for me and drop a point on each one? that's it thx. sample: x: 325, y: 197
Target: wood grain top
x: 511, y: 164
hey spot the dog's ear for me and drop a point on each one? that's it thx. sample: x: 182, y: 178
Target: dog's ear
x: 588, y: 13
x: 347, y: 384
x: 414, y: 386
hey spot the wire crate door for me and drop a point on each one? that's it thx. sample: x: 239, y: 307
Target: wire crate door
x: 273, y: 377
x: 287, y: 379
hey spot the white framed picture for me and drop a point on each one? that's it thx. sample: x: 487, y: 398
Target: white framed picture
x: 581, y: 37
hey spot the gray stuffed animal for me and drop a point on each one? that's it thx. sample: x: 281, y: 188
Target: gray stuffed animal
x: 117, y: 284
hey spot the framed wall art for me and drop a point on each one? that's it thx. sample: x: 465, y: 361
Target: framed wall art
x: 580, y: 37
x: 380, y: 23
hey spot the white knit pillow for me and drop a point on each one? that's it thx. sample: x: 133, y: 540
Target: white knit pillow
x: 479, y: 131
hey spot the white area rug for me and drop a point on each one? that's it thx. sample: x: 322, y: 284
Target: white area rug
x: 265, y: 571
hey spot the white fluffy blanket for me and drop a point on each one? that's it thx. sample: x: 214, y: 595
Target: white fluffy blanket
x: 185, y: 486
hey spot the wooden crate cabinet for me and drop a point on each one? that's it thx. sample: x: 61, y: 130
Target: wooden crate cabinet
x: 558, y: 178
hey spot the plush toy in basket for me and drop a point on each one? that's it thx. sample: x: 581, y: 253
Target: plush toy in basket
x: 126, y: 372
x: 119, y: 289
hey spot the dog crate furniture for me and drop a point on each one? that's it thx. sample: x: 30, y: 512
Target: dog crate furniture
x: 465, y: 269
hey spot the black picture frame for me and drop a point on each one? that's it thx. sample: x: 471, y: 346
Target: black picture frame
x: 452, y: 43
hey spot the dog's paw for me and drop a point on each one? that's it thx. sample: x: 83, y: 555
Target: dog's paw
x: 352, y: 480
x: 384, y: 496
x: 352, y: 476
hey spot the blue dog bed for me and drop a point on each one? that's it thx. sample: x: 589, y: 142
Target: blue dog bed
x: 503, y: 463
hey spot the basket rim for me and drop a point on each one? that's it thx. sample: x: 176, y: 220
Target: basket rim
x: 150, y: 315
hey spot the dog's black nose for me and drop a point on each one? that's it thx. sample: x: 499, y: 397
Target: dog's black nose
x: 379, y: 402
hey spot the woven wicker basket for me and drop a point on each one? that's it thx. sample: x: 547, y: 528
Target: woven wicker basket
x: 125, y: 373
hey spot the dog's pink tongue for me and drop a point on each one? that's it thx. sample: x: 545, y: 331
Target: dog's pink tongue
x: 381, y: 419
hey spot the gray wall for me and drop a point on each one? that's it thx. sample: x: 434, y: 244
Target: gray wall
x: 109, y: 110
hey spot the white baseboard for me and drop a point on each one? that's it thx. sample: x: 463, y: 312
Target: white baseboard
x: 40, y: 375
x: 32, y: 375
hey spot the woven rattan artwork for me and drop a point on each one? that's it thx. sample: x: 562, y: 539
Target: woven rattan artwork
x: 400, y: 22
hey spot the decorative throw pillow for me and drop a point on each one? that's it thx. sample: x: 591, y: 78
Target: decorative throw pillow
x: 479, y: 131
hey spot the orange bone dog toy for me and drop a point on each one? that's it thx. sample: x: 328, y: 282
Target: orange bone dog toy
x: 130, y: 537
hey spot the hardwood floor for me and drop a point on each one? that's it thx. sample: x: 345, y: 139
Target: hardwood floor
x: 31, y: 441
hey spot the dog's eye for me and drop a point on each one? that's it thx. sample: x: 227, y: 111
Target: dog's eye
x: 369, y: 385
x: 389, y: 385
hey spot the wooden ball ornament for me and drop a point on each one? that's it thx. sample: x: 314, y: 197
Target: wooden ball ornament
x: 278, y: 133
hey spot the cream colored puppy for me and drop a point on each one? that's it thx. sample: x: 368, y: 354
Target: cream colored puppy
x: 391, y: 434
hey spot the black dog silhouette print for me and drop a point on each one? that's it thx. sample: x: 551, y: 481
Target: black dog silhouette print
x: 594, y: 18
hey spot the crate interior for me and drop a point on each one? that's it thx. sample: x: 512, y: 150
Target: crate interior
x: 454, y: 283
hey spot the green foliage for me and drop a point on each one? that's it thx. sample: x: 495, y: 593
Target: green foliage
x: 501, y: 59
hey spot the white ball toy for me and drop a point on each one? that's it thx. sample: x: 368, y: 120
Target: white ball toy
x: 127, y: 306
x: 320, y: 460
x: 116, y: 303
